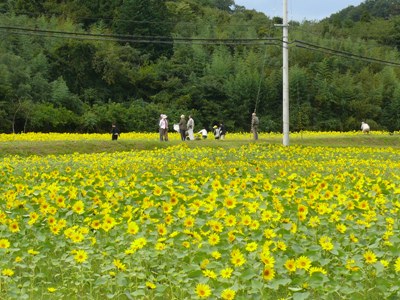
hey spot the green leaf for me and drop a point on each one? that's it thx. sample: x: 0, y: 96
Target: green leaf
x: 324, y: 261
x: 334, y: 251
x: 128, y: 295
x: 248, y: 274
x: 275, y: 284
x: 379, y: 268
x: 121, y: 280
x: 301, y: 296
x: 138, y: 293
x: 160, y: 289
x: 256, y: 285
x: 100, y: 281
x: 40, y: 237
x: 195, y: 274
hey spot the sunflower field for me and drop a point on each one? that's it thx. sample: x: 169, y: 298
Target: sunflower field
x: 258, y: 221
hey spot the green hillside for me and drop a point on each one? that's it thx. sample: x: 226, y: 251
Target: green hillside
x: 77, y: 66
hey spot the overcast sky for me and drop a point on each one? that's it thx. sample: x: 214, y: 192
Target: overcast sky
x: 299, y: 10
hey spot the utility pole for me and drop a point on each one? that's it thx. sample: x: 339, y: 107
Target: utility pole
x: 285, y: 71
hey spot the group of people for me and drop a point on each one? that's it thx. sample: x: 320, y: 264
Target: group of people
x: 186, y: 129
x: 219, y: 131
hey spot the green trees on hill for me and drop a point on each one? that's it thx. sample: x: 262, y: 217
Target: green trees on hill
x: 68, y: 66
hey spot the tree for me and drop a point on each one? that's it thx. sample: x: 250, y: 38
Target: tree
x: 148, y: 21
x: 224, y: 4
x: 300, y: 112
x: 47, y: 118
x: 62, y: 97
x: 391, y: 115
x: 73, y: 60
x: 15, y: 89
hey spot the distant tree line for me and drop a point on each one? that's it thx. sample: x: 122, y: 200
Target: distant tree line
x: 78, y: 66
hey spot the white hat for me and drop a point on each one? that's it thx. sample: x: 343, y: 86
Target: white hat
x: 182, y: 116
x: 164, y: 116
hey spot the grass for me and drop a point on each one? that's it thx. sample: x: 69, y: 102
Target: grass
x: 42, y: 148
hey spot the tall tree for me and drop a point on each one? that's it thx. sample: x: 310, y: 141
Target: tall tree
x: 149, y: 22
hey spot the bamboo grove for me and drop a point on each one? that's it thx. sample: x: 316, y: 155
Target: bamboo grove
x: 70, y: 67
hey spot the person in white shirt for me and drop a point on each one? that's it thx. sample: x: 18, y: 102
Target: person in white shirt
x: 222, y: 131
x: 217, y: 132
x: 365, y: 127
x: 203, y: 133
x: 190, y: 128
x: 163, y: 128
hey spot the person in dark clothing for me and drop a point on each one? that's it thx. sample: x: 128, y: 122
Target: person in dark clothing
x: 114, y: 132
x: 182, y: 127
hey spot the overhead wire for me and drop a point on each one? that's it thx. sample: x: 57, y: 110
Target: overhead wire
x: 138, y: 39
x: 310, y: 46
x: 186, y: 40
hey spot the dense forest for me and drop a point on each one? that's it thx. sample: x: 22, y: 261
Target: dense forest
x: 78, y: 66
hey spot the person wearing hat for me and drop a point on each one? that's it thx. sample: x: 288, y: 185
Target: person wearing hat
x: 163, y: 128
x: 114, y: 132
x: 217, y: 132
x: 182, y: 127
x: 254, y: 125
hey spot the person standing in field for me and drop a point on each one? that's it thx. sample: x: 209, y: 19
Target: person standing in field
x: 163, y: 128
x: 182, y: 127
x: 190, y: 128
x: 222, y: 131
x: 166, y: 128
x: 254, y: 125
x: 114, y: 132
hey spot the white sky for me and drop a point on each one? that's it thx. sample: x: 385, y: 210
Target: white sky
x: 299, y: 10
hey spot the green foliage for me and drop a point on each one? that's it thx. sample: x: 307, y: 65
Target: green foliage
x: 93, y: 81
x: 47, y: 118
x: 146, y: 19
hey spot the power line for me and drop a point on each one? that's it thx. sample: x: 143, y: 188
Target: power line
x: 187, y: 40
x: 313, y: 47
x: 138, y: 39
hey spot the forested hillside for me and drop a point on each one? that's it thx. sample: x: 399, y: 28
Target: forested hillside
x: 77, y: 66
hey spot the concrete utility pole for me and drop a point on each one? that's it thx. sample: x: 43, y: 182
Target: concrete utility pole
x: 285, y: 71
